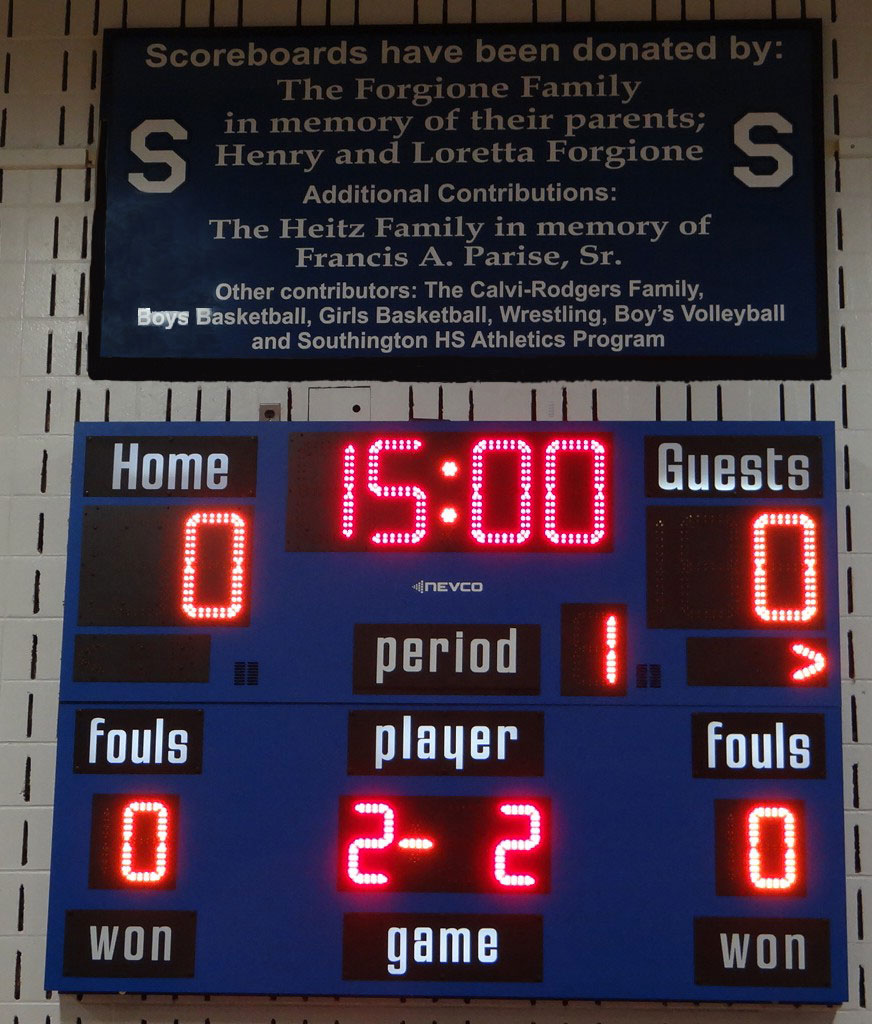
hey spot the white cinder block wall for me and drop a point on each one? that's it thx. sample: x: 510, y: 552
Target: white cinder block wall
x: 50, y: 70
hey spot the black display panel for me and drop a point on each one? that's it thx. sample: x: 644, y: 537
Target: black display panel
x: 445, y: 844
x: 756, y: 661
x: 140, y: 658
x: 733, y: 567
x: 164, y: 566
x: 513, y: 490
x: 593, y: 649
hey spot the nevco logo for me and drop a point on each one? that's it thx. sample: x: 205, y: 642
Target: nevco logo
x: 448, y: 586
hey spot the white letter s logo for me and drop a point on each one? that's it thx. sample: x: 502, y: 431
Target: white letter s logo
x: 783, y: 159
x: 139, y: 147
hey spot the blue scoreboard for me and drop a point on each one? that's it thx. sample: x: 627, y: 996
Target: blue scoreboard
x: 544, y: 710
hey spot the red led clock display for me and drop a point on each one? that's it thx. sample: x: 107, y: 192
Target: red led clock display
x: 449, y: 492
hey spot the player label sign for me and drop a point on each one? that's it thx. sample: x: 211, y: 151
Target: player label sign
x: 445, y: 743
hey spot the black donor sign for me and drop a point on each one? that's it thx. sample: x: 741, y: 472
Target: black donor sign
x: 488, y: 202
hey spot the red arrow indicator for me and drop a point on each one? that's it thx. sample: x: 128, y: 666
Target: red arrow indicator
x: 816, y: 663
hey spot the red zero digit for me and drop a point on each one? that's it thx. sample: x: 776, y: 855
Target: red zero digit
x: 762, y: 567
x: 525, y: 481
x: 380, y: 490
x: 766, y: 817
x: 237, y: 530
x: 370, y: 843
x: 505, y: 846
x: 597, y: 531
x: 159, y: 816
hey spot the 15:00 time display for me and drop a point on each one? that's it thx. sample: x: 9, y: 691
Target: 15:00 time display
x: 450, y: 492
